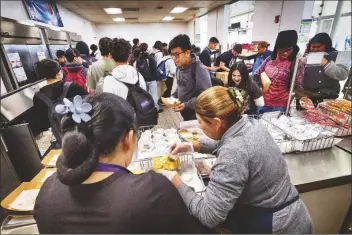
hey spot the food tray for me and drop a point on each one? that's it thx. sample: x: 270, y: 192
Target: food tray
x: 336, y: 115
x: 149, y: 147
x: 43, y: 175
x: 312, y: 144
x: 6, y: 203
x: 50, y: 159
x: 187, y: 167
x: 287, y: 144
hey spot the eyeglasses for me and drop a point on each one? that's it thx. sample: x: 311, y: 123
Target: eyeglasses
x: 285, y: 50
x: 176, y: 55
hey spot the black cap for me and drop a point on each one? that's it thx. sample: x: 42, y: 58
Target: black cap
x: 285, y: 39
x: 71, y: 53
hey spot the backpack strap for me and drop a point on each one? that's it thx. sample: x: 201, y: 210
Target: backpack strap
x: 67, y: 86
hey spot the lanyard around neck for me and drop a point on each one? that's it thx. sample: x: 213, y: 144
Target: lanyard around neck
x: 110, y: 168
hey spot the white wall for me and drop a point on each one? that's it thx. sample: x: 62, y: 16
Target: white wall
x: 72, y: 22
x: 264, y: 27
x: 191, y: 30
x: 146, y: 32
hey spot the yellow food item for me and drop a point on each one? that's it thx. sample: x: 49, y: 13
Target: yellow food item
x: 166, y: 163
x: 136, y: 172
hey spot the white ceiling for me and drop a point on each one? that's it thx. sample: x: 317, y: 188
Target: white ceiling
x: 146, y: 12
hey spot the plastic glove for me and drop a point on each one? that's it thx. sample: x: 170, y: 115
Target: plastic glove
x: 184, y: 147
x: 168, y: 174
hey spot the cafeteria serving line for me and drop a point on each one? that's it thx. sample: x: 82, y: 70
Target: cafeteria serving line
x: 175, y: 117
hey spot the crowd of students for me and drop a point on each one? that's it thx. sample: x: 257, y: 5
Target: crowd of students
x: 92, y: 181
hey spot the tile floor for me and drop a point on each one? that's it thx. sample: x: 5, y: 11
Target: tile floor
x: 169, y: 118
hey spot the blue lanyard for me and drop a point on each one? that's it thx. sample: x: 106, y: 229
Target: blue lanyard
x: 110, y: 168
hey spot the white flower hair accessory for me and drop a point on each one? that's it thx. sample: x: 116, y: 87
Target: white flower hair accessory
x: 78, y: 109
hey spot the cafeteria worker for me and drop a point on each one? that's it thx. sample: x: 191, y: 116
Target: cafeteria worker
x: 249, y: 189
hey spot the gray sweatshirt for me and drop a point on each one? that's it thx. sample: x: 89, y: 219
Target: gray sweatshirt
x: 191, y: 82
x: 249, y: 170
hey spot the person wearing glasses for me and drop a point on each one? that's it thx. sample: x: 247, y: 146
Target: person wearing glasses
x: 278, y: 68
x: 192, y: 77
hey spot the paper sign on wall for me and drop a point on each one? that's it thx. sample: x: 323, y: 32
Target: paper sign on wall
x: 41, y: 55
x: 304, y: 30
x: 17, y: 66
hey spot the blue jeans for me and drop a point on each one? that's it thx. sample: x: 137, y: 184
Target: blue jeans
x: 152, y: 88
x: 267, y: 109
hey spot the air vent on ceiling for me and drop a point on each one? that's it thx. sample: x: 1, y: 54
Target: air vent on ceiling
x: 193, y: 9
x: 177, y: 19
x: 131, y: 18
x: 129, y: 9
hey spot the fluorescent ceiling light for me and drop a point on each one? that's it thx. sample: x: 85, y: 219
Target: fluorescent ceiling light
x: 168, y: 18
x: 119, y: 19
x: 178, y: 10
x: 113, y: 10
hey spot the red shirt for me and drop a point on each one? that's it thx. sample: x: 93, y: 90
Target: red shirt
x: 278, y: 71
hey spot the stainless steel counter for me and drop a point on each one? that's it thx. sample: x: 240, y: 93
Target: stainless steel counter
x: 346, y: 144
x: 319, y: 169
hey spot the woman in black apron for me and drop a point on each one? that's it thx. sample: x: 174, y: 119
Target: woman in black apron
x: 250, y: 190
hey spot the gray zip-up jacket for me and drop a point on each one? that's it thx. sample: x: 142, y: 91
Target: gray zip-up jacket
x: 249, y: 170
x: 191, y: 82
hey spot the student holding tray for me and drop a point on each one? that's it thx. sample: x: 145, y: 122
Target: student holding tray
x: 93, y: 191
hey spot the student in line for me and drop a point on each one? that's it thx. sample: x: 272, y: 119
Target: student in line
x: 146, y: 66
x: 157, y: 51
x: 95, y: 52
x: 120, y: 50
x: 135, y: 44
x: 228, y: 58
x: 55, y: 88
x: 60, y: 57
x: 170, y: 69
x: 83, y: 49
x: 205, y: 56
x: 192, y: 78
x: 239, y: 77
x: 93, y: 191
x: 279, y: 69
x: 103, y: 66
x: 74, y: 70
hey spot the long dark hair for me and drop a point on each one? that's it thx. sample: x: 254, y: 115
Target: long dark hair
x: 245, y: 79
x: 83, y: 143
x: 322, y: 38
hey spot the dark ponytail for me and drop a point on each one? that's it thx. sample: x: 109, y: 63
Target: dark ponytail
x: 83, y: 143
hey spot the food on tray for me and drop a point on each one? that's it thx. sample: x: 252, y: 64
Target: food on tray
x: 189, y: 135
x: 136, y: 171
x: 170, y: 100
x: 306, y: 103
x: 167, y: 163
x: 340, y: 105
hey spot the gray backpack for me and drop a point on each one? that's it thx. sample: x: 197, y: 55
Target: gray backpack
x: 100, y: 84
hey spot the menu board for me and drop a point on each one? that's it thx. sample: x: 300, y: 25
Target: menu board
x: 17, y: 66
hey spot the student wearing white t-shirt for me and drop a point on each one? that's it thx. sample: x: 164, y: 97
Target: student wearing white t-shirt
x: 123, y: 72
x: 170, y: 68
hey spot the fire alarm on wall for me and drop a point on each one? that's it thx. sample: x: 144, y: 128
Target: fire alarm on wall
x: 277, y: 19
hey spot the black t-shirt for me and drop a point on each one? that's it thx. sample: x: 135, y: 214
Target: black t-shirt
x: 40, y: 109
x: 205, y: 57
x: 228, y: 58
x: 252, y: 94
x: 122, y: 203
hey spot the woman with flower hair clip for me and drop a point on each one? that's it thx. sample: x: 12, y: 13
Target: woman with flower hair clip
x: 250, y: 190
x: 93, y: 191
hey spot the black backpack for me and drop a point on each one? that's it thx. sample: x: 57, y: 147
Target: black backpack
x: 143, y: 104
x: 54, y: 117
x: 142, y: 65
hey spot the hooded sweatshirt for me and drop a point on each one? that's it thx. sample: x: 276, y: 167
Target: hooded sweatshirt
x: 191, y: 82
x: 122, y: 74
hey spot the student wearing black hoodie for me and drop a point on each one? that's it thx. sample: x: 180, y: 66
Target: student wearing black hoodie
x: 83, y: 49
